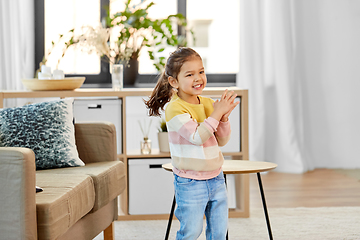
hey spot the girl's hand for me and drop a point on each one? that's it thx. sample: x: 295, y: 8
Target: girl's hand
x: 225, y: 117
x: 223, y: 108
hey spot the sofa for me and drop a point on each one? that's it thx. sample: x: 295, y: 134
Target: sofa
x: 76, y: 202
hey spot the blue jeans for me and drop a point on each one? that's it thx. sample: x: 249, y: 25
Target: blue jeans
x: 196, y: 197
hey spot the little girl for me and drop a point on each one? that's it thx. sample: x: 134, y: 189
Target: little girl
x: 197, y: 126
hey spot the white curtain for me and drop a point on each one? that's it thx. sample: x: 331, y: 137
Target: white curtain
x: 268, y: 71
x: 16, y: 43
x: 300, y: 61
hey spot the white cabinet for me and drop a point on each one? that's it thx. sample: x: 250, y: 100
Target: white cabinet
x: 151, y: 188
x: 101, y: 109
x: 125, y: 108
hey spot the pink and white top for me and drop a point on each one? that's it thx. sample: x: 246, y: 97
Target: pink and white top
x: 194, y: 138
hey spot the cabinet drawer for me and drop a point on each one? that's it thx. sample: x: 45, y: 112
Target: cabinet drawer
x: 151, y: 188
x: 89, y: 110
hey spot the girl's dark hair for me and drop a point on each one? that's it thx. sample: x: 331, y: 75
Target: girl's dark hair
x: 163, y: 91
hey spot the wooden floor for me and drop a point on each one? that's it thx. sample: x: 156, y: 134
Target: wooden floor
x: 318, y: 188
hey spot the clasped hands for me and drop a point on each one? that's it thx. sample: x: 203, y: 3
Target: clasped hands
x: 224, y: 106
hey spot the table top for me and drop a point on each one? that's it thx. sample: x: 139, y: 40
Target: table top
x: 239, y: 166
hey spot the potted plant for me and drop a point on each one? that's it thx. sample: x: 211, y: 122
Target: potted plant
x: 122, y: 36
x: 163, y: 137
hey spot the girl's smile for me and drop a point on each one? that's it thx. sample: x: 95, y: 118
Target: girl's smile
x: 198, y: 86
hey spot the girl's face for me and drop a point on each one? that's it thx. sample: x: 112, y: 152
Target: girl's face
x: 191, y: 80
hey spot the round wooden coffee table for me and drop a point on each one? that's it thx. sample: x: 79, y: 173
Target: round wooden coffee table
x: 235, y: 167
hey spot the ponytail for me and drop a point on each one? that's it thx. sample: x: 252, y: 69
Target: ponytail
x: 161, y: 94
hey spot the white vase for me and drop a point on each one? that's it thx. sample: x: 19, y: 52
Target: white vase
x: 117, y: 77
x: 163, y: 142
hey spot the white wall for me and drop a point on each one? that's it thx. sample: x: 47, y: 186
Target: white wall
x: 328, y: 44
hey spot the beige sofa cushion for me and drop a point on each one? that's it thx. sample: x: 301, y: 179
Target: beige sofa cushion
x: 108, y: 177
x: 64, y: 201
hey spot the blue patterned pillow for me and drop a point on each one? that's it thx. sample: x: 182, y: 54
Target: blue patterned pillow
x: 46, y: 128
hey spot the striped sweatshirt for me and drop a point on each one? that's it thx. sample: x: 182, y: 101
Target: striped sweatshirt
x: 194, y: 138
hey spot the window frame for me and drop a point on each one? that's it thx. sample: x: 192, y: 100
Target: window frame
x: 103, y: 79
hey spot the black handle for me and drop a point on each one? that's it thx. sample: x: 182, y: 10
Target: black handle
x: 94, y: 106
x: 155, y: 166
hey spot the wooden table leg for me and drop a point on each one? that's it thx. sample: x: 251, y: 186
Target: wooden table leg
x: 264, y: 206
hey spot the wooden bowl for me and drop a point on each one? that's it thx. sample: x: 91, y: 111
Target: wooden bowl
x: 69, y: 83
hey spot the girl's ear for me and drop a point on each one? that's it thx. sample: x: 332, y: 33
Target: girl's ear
x: 173, y: 82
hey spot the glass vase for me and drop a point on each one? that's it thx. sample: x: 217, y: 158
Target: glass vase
x: 145, y: 146
x: 117, y: 77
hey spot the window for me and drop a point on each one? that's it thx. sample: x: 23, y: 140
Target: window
x: 58, y: 17
x: 216, y: 32
x: 75, y: 60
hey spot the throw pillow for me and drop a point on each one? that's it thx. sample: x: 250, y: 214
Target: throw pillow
x: 46, y: 128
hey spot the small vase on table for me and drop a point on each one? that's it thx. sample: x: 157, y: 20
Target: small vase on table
x: 117, y: 77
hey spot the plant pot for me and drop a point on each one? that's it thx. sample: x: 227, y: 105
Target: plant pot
x: 131, y: 71
x: 163, y: 142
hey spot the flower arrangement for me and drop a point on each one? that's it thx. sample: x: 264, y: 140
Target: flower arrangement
x: 123, y: 35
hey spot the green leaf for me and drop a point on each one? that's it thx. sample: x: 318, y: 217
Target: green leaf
x: 150, y: 5
x: 151, y: 55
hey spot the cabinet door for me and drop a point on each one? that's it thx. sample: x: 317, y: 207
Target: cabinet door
x: 151, y: 188
x: 93, y: 109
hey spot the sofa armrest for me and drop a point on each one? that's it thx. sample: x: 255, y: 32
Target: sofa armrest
x: 96, y: 141
x: 17, y: 193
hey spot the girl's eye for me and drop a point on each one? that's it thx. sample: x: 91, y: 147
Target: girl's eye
x: 189, y: 75
x: 202, y: 72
